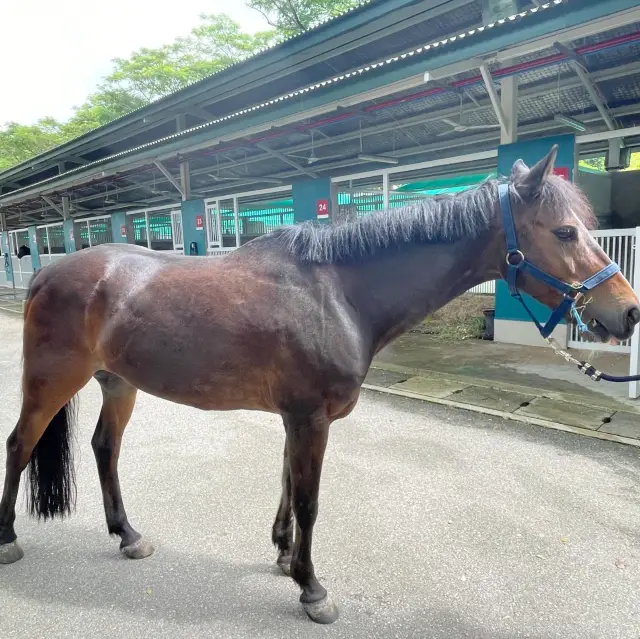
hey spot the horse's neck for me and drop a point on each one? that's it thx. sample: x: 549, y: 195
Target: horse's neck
x: 398, y: 289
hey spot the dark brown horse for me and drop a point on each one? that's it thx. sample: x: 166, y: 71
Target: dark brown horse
x: 288, y: 324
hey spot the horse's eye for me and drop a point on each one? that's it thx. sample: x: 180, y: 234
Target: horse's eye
x: 565, y: 233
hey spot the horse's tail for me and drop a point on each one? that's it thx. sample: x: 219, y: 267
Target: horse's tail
x: 52, y: 482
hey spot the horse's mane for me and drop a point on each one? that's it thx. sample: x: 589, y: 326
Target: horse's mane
x: 440, y: 219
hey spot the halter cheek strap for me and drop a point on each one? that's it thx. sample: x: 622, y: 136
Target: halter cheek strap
x: 516, y: 263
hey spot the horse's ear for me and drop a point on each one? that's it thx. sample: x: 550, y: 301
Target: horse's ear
x: 519, y: 170
x: 529, y: 185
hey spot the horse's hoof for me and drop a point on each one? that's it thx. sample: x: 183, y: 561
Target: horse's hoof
x: 137, y: 550
x: 10, y: 553
x: 284, y: 563
x: 322, y: 611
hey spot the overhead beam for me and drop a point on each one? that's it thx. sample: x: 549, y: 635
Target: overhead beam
x: 495, y: 99
x: 53, y: 205
x: 170, y: 177
x: 76, y: 159
x: 201, y: 113
x: 509, y: 103
x: 185, y: 180
x: 577, y: 63
x: 287, y: 160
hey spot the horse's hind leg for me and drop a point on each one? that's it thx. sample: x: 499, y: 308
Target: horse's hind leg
x: 282, y: 531
x: 119, y: 398
x: 307, y: 439
x: 42, y: 439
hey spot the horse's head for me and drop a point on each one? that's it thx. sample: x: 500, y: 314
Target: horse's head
x: 552, y: 220
x: 23, y: 251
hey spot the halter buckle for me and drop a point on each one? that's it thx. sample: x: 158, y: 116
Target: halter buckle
x: 576, y: 286
x: 515, y: 253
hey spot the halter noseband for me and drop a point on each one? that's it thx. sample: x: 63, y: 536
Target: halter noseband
x: 517, y: 263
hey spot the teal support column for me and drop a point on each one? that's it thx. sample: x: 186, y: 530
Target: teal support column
x: 193, y: 226
x: 512, y: 324
x: 119, y: 227
x: 310, y: 197
x: 33, y: 247
x: 69, y: 239
x: 7, y: 266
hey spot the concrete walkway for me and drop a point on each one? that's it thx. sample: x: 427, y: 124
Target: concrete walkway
x: 519, y: 383
x: 11, y: 300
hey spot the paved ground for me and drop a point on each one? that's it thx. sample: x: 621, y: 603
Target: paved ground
x: 434, y: 523
x: 523, y: 383
x: 11, y: 300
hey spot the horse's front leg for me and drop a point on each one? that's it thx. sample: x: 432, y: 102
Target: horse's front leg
x: 282, y: 531
x: 307, y: 439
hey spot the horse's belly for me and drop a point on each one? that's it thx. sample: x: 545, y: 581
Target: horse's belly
x: 220, y: 372
x: 210, y: 389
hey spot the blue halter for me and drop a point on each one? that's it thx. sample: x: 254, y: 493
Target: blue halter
x: 517, y: 263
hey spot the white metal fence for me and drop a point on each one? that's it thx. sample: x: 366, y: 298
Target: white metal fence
x: 488, y: 288
x: 176, y: 231
x: 22, y: 268
x: 50, y: 240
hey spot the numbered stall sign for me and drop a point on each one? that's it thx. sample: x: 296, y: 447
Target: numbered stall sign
x: 322, y: 209
x: 199, y: 222
x: 123, y: 230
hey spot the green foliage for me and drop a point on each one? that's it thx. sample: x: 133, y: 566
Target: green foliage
x: 151, y: 73
x: 19, y: 142
x: 597, y: 163
x: 147, y: 75
x: 291, y: 17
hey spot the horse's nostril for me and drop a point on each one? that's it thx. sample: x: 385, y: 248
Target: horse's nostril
x: 633, y: 315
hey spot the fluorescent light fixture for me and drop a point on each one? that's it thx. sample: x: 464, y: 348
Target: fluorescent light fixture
x: 385, y: 159
x: 570, y: 122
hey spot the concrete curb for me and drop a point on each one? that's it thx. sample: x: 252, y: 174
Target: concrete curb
x: 587, y: 400
x: 511, y: 416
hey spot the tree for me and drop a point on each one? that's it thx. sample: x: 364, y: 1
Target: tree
x: 19, y: 142
x: 149, y: 74
x: 102, y: 107
x: 597, y: 163
x: 291, y: 17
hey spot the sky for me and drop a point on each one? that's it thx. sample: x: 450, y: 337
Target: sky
x: 54, y: 53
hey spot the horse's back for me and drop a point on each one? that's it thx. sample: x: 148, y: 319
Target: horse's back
x: 215, y: 333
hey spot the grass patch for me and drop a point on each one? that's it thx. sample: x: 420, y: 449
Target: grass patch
x: 459, y: 320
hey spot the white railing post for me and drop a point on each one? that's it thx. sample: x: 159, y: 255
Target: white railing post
x: 236, y: 221
x: 147, y: 229
x: 634, y: 360
x: 385, y: 190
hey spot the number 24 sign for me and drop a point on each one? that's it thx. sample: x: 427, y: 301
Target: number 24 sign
x: 322, y: 209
